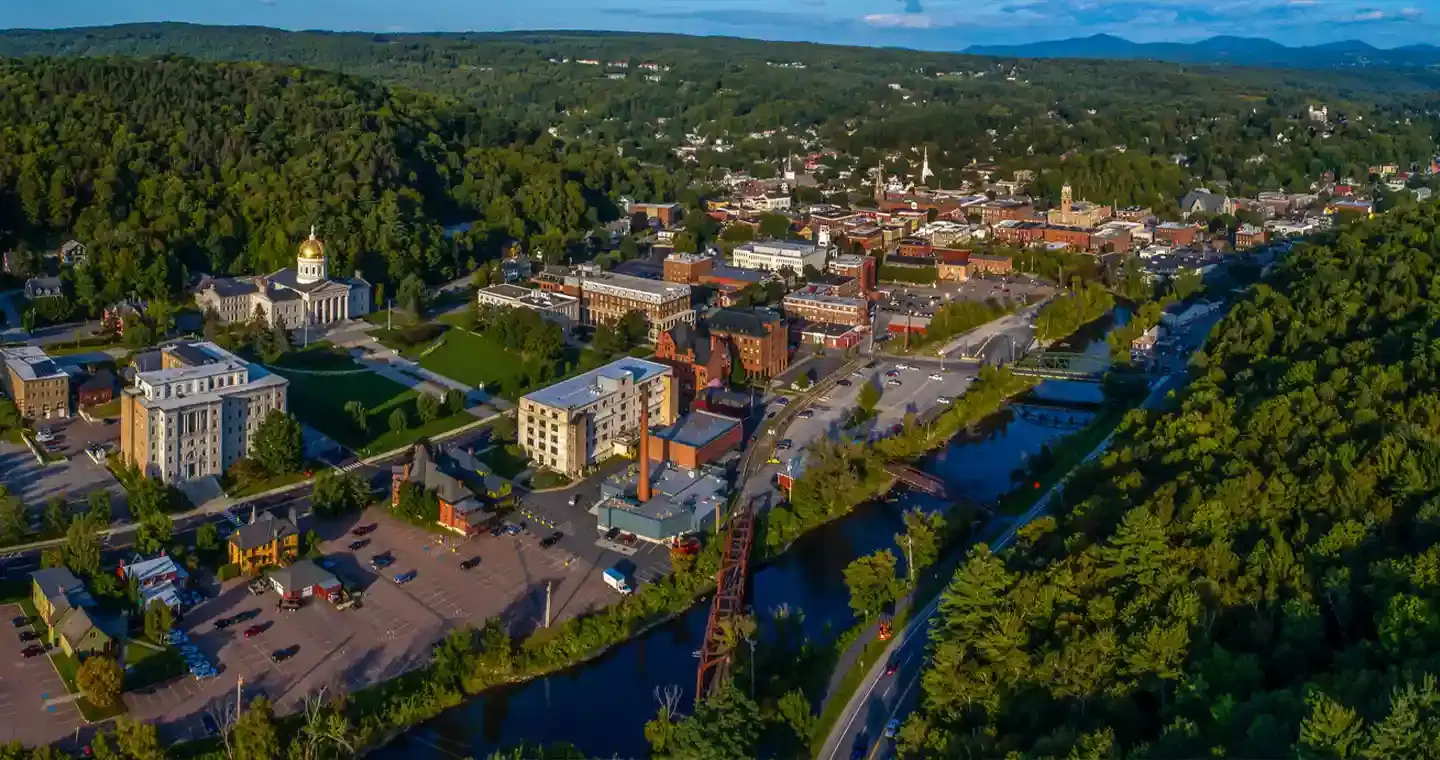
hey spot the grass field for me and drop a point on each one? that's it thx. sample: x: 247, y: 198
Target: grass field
x: 319, y: 400
x: 507, y: 461
x: 476, y: 361
x: 320, y: 355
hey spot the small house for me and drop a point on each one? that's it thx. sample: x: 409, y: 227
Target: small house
x: 55, y: 591
x: 43, y: 287
x: 99, y: 389
x: 159, y: 578
x: 266, y: 540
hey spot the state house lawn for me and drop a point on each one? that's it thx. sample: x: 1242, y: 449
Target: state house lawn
x: 319, y: 401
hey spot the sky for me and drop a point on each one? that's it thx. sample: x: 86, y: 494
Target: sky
x: 926, y: 24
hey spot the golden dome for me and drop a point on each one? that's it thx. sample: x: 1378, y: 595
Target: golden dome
x: 311, y: 247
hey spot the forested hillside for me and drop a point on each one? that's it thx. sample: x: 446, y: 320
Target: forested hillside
x: 168, y: 166
x: 1253, y: 574
x: 1231, y: 126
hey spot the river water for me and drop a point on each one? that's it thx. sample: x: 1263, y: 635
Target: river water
x: 601, y: 707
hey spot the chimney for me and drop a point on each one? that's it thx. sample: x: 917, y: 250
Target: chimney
x: 642, y: 492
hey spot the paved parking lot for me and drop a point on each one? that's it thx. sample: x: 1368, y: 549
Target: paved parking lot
x: 25, y: 685
x: 916, y: 393
x: 74, y: 479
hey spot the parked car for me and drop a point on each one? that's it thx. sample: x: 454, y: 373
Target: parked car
x: 784, y: 444
x: 513, y: 530
x: 782, y: 401
x: 892, y: 728
x: 223, y: 623
x: 807, y: 414
x: 892, y: 373
x: 34, y: 650
x: 470, y: 564
x: 893, y: 383
x: 364, y: 529
x: 380, y: 561
x: 356, y: 546
x: 936, y: 376
x: 254, y: 630
x: 858, y: 373
x: 498, y: 530
x: 944, y: 400
x: 29, y: 635
x: 20, y: 621
x: 843, y: 383
x: 281, y: 655
x: 551, y: 540
x: 406, y: 577
x: 45, y: 435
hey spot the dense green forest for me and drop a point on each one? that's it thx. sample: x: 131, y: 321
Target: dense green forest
x: 1231, y: 127
x: 171, y: 166
x: 1252, y: 573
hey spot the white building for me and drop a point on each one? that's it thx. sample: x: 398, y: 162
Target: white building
x: 775, y: 255
x: 291, y: 297
x: 575, y: 423
x: 557, y: 307
x: 196, y: 415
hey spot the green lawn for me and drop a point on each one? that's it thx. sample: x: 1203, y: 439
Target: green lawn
x: 108, y: 410
x: 507, y: 461
x: 319, y: 400
x: 548, y: 479
x: 67, y: 666
x: 477, y: 361
x: 320, y: 355
x: 145, y: 666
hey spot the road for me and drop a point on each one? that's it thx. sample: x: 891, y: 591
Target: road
x: 868, y: 711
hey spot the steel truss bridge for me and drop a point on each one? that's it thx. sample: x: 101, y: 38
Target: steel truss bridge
x: 729, y: 602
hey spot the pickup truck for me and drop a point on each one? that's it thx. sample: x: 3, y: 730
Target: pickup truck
x: 616, y: 580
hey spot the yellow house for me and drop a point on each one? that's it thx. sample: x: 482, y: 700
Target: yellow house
x: 265, y: 540
x: 55, y: 591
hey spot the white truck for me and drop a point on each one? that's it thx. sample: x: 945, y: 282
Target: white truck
x: 616, y: 580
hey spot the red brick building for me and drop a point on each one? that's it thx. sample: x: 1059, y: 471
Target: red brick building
x: 1077, y: 238
x: 1000, y: 209
x: 759, y: 337
x: 1177, y: 234
x: 1247, y: 236
x: 689, y: 268
x: 982, y: 262
x: 696, y: 357
x: 460, y: 510
x: 861, y: 268
x: 1019, y: 233
x: 952, y: 264
x: 666, y: 213
x: 696, y: 439
x: 917, y: 247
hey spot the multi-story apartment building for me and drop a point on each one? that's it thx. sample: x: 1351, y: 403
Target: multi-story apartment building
x: 812, y: 305
x: 578, y: 422
x: 39, y: 388
x: 759, y: 336
x: 557, y: 307
x: 861, y: 268
x: 197, y: 414
x: 605, y: 298
x: 775, y: 255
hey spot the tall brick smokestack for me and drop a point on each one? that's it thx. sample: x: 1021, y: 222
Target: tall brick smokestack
x: 643, y: 491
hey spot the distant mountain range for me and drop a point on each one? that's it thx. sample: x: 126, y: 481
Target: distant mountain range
x: 1235, y: 51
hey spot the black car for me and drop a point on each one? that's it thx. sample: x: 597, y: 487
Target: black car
x: 20, y: 621
x: 470, y: 564
x: 356, y: 546
x: 29, y: 635
x: 281, y: 655
x: 498, y: 530
x: 551, y: 540
x: 224, y: 623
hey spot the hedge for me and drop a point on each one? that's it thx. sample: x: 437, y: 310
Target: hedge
x: 228, y: 572
x: 919, y: 276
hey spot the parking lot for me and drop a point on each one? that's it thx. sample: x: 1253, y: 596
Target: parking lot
x: 927, y: 299
x: 73, y: 479
x: 26, y: 684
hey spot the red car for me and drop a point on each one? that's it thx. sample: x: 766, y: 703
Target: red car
x: 364, y: 529
x: 34, y: 650
x: 254, y: 630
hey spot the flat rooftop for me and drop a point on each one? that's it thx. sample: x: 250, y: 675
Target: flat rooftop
x: 675, y: 491
x: 30, y: 363
x: 639, y: 284
x: 698, y: 428
x: 586, y: 389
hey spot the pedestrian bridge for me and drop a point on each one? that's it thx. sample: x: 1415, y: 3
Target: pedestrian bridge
x: 1063, y: 365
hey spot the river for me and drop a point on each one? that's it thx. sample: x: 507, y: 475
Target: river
x: 601, y: 707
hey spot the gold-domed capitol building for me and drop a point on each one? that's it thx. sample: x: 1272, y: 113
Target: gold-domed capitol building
x: 293, y: 297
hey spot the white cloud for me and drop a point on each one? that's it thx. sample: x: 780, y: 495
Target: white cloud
x: 900, y: 20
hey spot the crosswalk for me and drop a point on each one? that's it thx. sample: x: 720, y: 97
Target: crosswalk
x: 353, y: 466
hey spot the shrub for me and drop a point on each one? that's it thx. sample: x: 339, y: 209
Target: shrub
x: 228, y: 572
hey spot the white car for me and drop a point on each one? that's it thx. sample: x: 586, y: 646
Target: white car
x: 944, y: 400
x: 902, y: 366
x: 44, y: 435
x: 892, y: 382
x: 936, y: 376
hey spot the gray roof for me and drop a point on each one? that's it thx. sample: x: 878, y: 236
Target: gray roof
x: 287, y: 278
x: 1208, y: 202
x: 746, y: 322
x: 303, y: 574
x: 263, y: 530
x: 698, y: 428
x: 426, y: 472
x: 74, y: 625
x: 228, y: 287
x: 690, y: 338
x: 59, y: 584
x: 590, y: 387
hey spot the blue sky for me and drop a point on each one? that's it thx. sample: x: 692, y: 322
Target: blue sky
x: 932, y: 24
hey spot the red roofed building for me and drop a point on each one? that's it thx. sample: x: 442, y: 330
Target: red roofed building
x: 697, y: 358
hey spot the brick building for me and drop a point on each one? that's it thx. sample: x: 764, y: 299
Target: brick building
x: 952, y: 265
x: 696, y: 439
x: 665, y: 213
x: 1000, y: 209
x: 1248, y: 236
x: 1018, y: 232
x: 1177, y: 234
x: 810, y: 305
x: 39, y: 388
x: 861, y: 268
x: 689, y: 268
x: 989, y: 264
x: 696, y: 356
x: 758, y: 336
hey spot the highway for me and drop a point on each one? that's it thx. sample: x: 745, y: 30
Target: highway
x: 882, y: 698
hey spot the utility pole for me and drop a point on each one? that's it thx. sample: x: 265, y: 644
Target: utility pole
x: 910, y: 558
x: 548, y: 585
x: 239, y: 682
